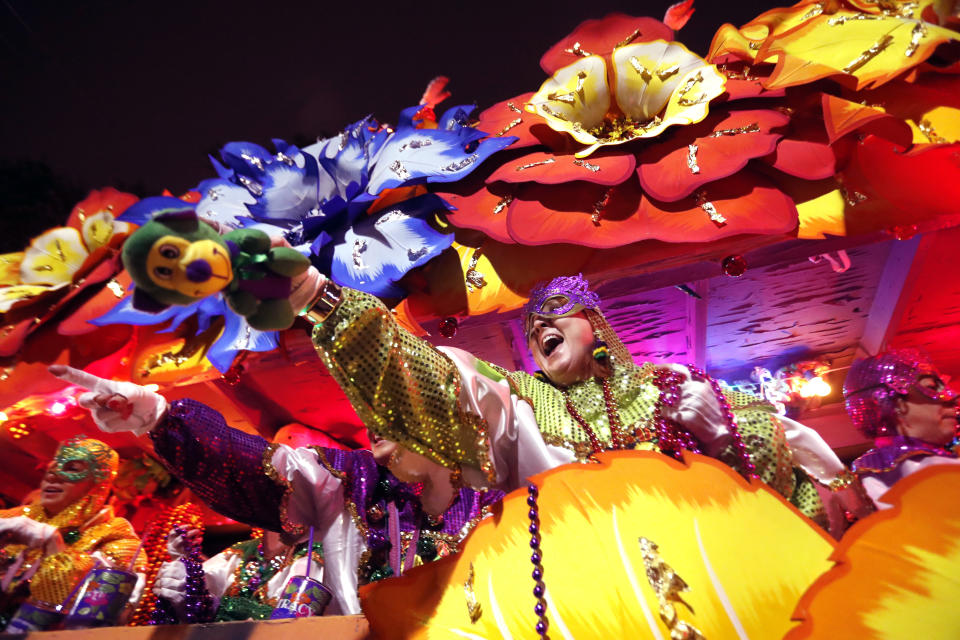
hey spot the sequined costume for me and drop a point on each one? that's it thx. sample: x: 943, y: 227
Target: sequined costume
x: 894, y: 458
x: 871, y: 391
x: 358, y: 508
x: 90, y: 532
x: 244, y: 584
x: 499, y: 427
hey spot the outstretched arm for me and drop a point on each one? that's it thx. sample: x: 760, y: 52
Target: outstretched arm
x: 230, y: 470
x: 402, y: 388
x: 223, y: 466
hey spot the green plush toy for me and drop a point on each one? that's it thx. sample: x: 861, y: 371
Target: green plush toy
x: 175, y: 258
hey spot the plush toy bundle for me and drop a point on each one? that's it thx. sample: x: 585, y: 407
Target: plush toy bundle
x: 175, y: 258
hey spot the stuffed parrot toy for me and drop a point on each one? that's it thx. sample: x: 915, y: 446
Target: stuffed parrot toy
x: 175, y: 258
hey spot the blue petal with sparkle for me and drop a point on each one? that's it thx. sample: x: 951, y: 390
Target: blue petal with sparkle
x: 380, y: 249
x: 236, y: 336
x: 140, y: 213
x: 224, y: 202
x: 431, y: 155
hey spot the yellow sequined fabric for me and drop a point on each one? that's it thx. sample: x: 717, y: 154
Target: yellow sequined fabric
x: 407, y: 391
x: 58, y: 573
x: 399, y: 385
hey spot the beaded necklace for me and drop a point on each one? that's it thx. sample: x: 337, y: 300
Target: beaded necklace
x: 613, y: 417
x: 251, y: 576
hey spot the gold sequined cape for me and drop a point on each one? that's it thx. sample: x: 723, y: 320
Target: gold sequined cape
x: 58, y: 573
x: 407, y: 391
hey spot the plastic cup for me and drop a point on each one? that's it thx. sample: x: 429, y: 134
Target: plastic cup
x: 30, y: 617
x: 101, y: 598
x: 302, y: 597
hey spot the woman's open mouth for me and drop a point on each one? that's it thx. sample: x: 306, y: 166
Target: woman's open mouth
x: 550, y: 343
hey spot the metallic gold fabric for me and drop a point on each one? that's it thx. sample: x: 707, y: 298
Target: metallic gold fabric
x: 399, y: 385
x: 58, y: 573
x: 407, y: 391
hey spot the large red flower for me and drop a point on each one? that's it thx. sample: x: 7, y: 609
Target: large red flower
x: 634, y: 138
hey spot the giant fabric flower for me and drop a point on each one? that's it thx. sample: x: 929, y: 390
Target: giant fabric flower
x: 664, y: 544
x: 634, y: 138
x: 54, y: 277
x: 656, y: 85
x: 895, y: 573
x: 354, y: 202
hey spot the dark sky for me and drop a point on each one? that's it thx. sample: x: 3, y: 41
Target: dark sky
x: 136, y: 93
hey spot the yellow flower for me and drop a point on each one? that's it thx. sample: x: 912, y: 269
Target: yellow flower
x: 655, y: 85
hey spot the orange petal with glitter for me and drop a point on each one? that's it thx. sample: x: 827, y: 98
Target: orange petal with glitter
x: 480, y: 206
x: 843, y: 116
x: 508, y: 118
x: 699, y: 154
x: 604, y: 167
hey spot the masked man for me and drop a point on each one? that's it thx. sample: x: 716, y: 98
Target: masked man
x: 899, y: 399
x: 49, y: 545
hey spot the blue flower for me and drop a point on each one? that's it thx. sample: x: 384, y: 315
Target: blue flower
x: 236, y: 336
x: 318, y: 197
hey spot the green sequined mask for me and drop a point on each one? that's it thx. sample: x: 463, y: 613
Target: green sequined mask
x: 101, y: 460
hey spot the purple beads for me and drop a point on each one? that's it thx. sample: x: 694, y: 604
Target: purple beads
x: 539, y: 589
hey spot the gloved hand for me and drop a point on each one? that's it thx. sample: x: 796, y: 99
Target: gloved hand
x: 305, y: 287
x: 29, y: 532
x: 171, y: 582
x: 177, y: 545
x: 115, y: 406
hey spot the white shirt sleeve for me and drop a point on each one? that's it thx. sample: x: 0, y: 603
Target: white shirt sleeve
x: 316, y: 499
x: 516, y: 449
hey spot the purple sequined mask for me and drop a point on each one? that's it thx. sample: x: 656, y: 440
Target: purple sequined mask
x: 873, y: 384
x: 570, y: 291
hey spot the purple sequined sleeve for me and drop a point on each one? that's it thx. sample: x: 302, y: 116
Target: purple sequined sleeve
x: 223, y: 466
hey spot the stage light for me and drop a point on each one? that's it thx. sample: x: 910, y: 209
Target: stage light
x: 19, y: 431
x: 818, y: 387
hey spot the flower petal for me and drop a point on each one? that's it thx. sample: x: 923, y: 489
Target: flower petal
x: 431, y: 155
x: 580, y: 213
x: 486, y: 291
x: 888, y: 187
x: 10, y: 296
x: 78, y: 323
x: 475, y: 205
x: 548, y: 168
x: 716, y: 148
x: 508, y: 118
x: 842, y: 117
x: 866, y: 51
x: 600, y: 37
x: 107, y: 199
x: 805, y: 153
x: 10, y: 268
x: 606, y: 217
x: 651, y: 75
x: 381, y: 249
x: 748, y: 202
x: 576, y: 98
x: 53, y: 257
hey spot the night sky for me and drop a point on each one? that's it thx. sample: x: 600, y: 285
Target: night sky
x: 135, y: 94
